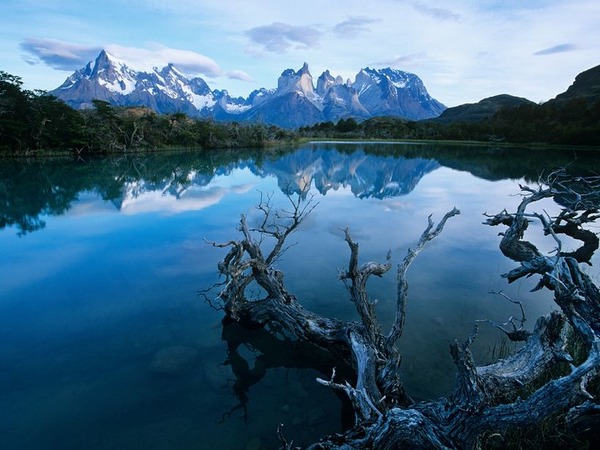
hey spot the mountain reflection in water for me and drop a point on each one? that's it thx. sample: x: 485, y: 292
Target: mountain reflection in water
x: 105, y: 343
x: 33, y: 189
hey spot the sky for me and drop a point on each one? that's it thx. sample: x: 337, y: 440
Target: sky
x: 463, y: 50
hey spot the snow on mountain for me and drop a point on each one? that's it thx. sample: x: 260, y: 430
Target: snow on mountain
x: 111, y: 73
x: 300, y: 82
x: 395, y: 92
x: 108, y: 78
x: 295, y: 102
x: 175, y: 85
x: 231, y: 105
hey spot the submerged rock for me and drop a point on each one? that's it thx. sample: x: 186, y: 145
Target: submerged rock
x: 175, y: 360
x: 218, y: 375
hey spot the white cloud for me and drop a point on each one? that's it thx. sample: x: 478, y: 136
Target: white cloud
x: 70, y: 56
x: 187, y: 61
x: 560, y: 48
x: 279, y: 37
x: 407, y: 61
x: 58, y: 54
x: 435, y: 12
x: 353, y: 26
x: 239, y: 75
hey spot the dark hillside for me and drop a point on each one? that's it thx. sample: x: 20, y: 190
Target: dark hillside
x: 484, y: 109
x: 586, y: 85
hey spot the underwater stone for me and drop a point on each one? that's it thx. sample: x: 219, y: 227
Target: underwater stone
x: 174, y: 361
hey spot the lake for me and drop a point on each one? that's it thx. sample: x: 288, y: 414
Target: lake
x: 106, y: 343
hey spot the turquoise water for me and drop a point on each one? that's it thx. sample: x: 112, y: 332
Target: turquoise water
x: 106, y: 344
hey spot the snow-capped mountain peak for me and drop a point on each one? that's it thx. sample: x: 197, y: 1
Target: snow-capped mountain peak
x: 300, y: 82
x: 325, y: 82
x: 388, y: 91
x: 295, y: 102
x: 113, y: 74
x: 111, y: 79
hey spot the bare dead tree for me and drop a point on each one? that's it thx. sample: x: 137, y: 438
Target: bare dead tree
x: 540, y: 381
x: 517, y: 333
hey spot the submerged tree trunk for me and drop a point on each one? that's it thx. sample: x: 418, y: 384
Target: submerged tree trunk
x: 542, y: 381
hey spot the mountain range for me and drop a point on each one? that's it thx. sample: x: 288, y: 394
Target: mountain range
x: 295, y: 102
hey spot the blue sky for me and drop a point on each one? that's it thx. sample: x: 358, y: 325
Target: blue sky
x: 463, y: 50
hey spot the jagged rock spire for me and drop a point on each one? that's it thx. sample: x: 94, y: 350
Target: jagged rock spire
x: 295, y: 102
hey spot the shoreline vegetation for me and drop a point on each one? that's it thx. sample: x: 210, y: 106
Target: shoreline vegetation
x: 34, y: 124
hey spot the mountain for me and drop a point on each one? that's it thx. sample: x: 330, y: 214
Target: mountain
x: 586, y: 85
x: 295, y: 102
x: 110, y: 79
x: 484, y: 109
x: 389, y: 92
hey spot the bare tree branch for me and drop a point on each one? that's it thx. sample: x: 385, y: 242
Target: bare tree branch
x: 402, y: 284
x: 517, y: 333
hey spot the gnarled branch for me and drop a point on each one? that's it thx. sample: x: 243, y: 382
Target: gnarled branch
x: 539, y: 381
x: 402, y: 284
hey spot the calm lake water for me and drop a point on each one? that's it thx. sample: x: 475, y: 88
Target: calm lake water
x: 105, y: 343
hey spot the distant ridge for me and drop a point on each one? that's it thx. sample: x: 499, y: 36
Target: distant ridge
x: 295, y: 102
x: 586, y: 85
x: 484, y: 109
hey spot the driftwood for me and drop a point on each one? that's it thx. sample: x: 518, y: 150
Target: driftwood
x: 544, y: 380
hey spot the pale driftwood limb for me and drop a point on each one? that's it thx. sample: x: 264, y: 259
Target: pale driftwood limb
x: 285, y: 445
x: 402, y: 283
x: 356, y: 279
x: 469, y: 394
x: 364, y: 408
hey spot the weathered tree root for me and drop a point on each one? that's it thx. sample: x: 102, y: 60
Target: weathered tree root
x: 538, y: 382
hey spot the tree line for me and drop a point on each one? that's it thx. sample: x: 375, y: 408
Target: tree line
x: 32, y: 121
x: 32, y: 189
x: 574, y: 122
